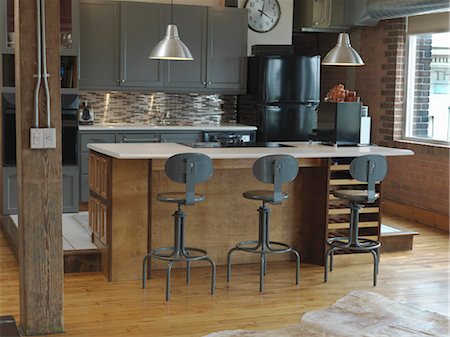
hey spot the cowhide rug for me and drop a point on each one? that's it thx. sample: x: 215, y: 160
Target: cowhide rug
x: 358, y: 314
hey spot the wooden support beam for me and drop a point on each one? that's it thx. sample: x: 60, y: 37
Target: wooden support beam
x: 39, y: 178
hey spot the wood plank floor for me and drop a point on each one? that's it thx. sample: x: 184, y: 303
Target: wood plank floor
x: 96, y: 308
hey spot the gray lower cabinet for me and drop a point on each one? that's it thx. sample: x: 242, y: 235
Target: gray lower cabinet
x: 70, y: 189
x: 9, y: 197
x: 182, y: 137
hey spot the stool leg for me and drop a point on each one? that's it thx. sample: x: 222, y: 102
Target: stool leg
x: 188, y: 270
x: 331, y: 259
x: 144, y: 271
x: 297, y: 266
x: 169, y: 269
x: 261, y: 273
x: 229, y: 263
x: 213, y: 274
x: 329, y: 253
x: 375, y: 266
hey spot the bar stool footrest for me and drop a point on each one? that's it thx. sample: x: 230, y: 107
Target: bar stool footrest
x: 181, y: 256
x: 344, y: 243
x: 257, y: 247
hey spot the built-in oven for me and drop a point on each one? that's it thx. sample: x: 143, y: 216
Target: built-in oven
x: 69, y: 129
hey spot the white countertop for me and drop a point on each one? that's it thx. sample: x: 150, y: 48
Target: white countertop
x: 301, y: 150
x: 162, y: 127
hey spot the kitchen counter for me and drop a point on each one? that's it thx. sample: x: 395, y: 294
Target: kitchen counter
x: 127, y: 221
x: 299, y: 150
x: 166, y: 127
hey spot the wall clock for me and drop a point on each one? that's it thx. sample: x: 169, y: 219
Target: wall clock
x: 263, y: 15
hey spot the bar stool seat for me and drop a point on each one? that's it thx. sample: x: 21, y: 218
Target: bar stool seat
x: 178, y: 197
x: 353, y: 195
x: 189, y: 169
x: 263, y: 195
x: 276, y: 170
x: 369, y: 169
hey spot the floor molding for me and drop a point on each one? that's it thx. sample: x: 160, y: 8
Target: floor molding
x: 416, y: 214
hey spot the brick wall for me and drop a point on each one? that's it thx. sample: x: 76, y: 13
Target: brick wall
x: 422, y: 180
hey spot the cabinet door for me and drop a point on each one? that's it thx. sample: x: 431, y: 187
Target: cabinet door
x: 227, y: 49
x: 9, y: 190
x: 192, y: 26
x: 70, y: 183
x: 184, y: 137
x: 142, y: 27
x: 99, y: 44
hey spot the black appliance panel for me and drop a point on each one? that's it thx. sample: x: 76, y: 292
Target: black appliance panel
x: 9, y: 137
x: 228, y: 145
x: 339, y: 123
x: 288, y: 122
x: 291, y: 79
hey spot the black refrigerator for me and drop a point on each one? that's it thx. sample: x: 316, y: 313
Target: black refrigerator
x: 283, y: 93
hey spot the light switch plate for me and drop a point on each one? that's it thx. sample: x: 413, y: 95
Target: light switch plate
x: 49, y: 138
x: 36, y: 138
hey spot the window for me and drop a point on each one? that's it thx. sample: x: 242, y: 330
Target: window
x: 428, y: 88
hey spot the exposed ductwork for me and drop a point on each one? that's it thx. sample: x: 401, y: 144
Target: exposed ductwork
x: 369, y: 12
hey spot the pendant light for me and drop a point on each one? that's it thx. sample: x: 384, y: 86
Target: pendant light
x: 343, y: 54
x: 171, y: 47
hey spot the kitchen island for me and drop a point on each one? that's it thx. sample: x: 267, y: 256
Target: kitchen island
x: 127, y: 220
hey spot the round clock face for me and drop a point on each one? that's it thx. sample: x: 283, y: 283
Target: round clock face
x: 263, y: 15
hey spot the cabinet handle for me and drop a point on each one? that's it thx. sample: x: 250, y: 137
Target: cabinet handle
x: 137, y: 140
x: 122, y: 81
x: 209, y: 83
x: 204, y: 83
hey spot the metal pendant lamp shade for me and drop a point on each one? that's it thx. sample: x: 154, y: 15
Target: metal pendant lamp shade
x: 171, y: 47
x: 343, y: 54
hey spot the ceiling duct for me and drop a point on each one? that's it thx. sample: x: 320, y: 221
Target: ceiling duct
x: 369, y: 12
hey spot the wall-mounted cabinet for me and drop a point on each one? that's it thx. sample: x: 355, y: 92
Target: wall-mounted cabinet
x: 117, y: 38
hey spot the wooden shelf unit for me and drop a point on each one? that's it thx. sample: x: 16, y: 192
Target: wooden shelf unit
x: 338, y: 215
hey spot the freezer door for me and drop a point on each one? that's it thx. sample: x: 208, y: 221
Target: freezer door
x: 288, y: 122
x: 291, y: 79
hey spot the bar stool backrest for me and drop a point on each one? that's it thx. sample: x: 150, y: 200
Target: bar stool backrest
x: 276, y: 170
x: 370, y: 169
x: 189, y: 169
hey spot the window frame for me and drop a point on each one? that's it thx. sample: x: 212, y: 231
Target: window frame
x: 408, y: 100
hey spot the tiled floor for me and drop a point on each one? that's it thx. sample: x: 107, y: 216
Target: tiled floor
x: 76, y: 233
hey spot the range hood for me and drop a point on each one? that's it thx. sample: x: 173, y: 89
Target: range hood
x: 341, y: 15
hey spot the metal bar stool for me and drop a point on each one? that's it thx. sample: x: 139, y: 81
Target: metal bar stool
x: 276, y: 170
x: 370, y: 169
x: 189, y: 169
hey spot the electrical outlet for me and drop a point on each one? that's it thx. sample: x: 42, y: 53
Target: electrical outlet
x: 49, y: 138
x: 36, y: 138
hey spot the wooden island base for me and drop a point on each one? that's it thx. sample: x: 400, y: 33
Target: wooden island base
x: 128, y: 221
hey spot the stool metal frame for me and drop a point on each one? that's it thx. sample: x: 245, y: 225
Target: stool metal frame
x: 369, y: 168
x: 276, y: 169
x: 190, y: 169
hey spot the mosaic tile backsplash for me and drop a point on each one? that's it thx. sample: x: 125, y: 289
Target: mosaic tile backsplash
x: 160, y: 108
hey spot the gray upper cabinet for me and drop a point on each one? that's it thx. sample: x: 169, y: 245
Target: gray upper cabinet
x: 192, y: 26
x: 99, y: 44
x: 227, y: 49
x: 142, y: 27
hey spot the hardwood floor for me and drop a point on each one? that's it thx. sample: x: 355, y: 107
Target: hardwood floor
x: 96, y: 308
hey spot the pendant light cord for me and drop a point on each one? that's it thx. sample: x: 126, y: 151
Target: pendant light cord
x: 171, y: 14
